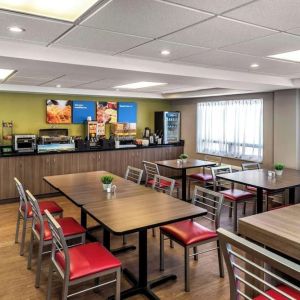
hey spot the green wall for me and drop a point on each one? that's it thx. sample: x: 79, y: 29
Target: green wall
x: 28, y: 111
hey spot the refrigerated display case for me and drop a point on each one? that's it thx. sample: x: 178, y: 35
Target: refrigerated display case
x: 167, y: 126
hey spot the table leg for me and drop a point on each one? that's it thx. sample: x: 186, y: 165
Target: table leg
x: 106, y: 238
x: 83, y: 218
x: 259, y: 200
x: 292, y: 195
x: 183, y: 184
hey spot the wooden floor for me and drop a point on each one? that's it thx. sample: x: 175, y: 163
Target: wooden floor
x: 17, y: 282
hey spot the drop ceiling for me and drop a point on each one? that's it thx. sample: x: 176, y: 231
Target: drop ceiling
x: 212, y: 44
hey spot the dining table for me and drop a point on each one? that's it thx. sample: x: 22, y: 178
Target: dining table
x: 260, y: 179
x: 183, y: 166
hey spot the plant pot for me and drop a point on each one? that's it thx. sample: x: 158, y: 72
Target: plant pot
x: 278, y: 172
x: 106, y: 185
x: 184, y: 160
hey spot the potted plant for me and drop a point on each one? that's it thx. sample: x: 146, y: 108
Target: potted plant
x: 279, y: 168
x: 106, y: 181
x: 183, y: 157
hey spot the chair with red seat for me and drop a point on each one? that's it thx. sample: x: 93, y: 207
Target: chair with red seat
x: 80, y: 263
x: 257, y: 273
x: 134, y: 174
x: 232, y: 194
x: 40, y: 230
x: 25, y: 213
x: 190, y: 234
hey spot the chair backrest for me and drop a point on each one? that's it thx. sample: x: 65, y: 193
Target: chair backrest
x: 250, y: 166
x: 245, y: 260
x: 134, y: 174
x: 151, y: 169
x: 211, y: 201
x: 215, y: 159
x: 163, y: 184
x: 23, y: 207
x: 58, y: 245
x: 219, y: 183
x: 37, y: 217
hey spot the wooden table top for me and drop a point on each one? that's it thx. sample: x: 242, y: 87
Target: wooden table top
x: 259, y: 178
x: 278, y: 229
x: 191, y: 163
x: 141, y: 212
x: 83, y: 188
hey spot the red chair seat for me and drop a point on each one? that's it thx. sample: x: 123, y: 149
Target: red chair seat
x: 201, y: 177
x: 251, y: 188
x: 88, y: 259
x: 188, y: 232
x: 163, y: 183
x: 236, y: 195
x: 52, y: 207
x: 68, y: 225
x: 277, y: 296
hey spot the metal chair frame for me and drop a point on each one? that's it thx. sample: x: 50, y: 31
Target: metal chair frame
x: 238, y: 255
x: 134, y: 174
x: 38, y: 219
x: 59, y: 244
x: 212, y: 201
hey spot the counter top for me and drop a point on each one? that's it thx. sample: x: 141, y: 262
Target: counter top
x: 13, y: 154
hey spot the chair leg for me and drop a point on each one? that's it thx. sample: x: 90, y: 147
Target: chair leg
x: 220, y: 259
x: 18, y: 227
x: 118, y: 285
x: 162, y: 252
x: 64, y: 295
x: 50, y: 276
x: 124, y: 239
x: 171, y: 244
x: 30, y: 251
x: 195, y: 255
x: 153, y: 232
x: 189, y: 189
x: 254, y: 207
x: 39, y: 264
x: 186, y: 269
x: 244, y: 208
x: 235, y: 218
x: 230, y: 210
x: 178, y: 192
x: 23, y: 236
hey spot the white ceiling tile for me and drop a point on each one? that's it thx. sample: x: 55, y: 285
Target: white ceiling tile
x: 273, y: 44
x: 101, y: 84
x: 294, y: 30
x: 64, y: 83
x: 214, y: 6
x: 277, y: 14
x: 25, y: 80
x: 153, y: 50
x: 148, y: 18
x: 86, y: 38
x: 37, y: 30
x: 217, y: 32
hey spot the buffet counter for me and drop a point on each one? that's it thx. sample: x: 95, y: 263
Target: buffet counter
x: 30, y: 168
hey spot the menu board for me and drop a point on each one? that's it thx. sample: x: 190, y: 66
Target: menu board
x: 59, y: 111
x: 107, y: 112
x: 82, y: 110
x: 127, y: 112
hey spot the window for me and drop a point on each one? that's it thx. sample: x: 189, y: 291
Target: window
x: 231, y: 128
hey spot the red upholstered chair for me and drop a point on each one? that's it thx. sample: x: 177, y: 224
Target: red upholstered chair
x: 190, y: 234
x: 40, y: 230
x: 80, y: 263
x: 231, y: 194
x: 264, y: 273
x: 25, y: 213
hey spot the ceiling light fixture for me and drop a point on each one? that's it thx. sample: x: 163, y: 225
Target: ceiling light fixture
x: 16, y: 29
x: 165, y: 52
x: 58, y: 9
x: 5, y: 73
x: 254, y: 66
x: 58, y: 85
x: 290, y: 56
x: 139, y: 85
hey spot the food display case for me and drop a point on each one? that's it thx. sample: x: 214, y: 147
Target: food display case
x: 124, y: 134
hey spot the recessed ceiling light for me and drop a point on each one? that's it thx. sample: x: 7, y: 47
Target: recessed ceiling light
x: 165, y: 52
x: 58, y: 85
x: 16, y: 29
x: 68, y: 10
x: 5, y: 73
x: 139, y: 85
x: 254, y: 65
x: 291, y: 56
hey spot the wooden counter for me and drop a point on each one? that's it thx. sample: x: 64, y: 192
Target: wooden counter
x: 30, y: 169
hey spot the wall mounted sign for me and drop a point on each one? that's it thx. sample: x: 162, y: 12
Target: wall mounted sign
x: 107, y: 112
x: 127, y: 112
x: 82, y: 110
x: 59, y: 111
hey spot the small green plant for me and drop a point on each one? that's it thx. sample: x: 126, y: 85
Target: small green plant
x: 279, y: 166
x: 107, y: 179
x: 183, y: 156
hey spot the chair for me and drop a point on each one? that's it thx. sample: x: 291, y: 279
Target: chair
x: 80, y: 263
x: 232, y: 195
x: 252, y: 268
x: 203, y: 177
x: 151, y: 169
x: 190, y: 234
x: 134, y: 174
x: 40, y: 230
x: 25, y: 213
